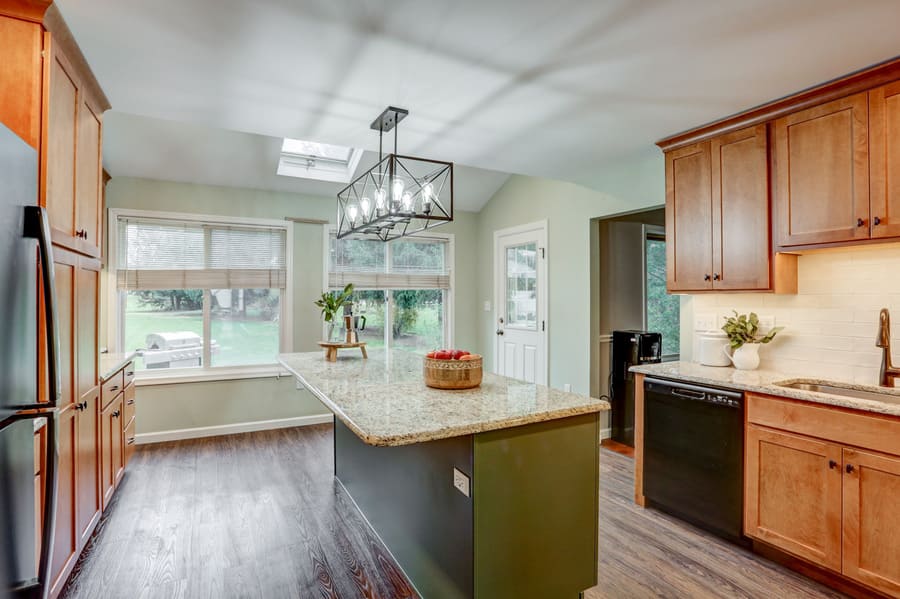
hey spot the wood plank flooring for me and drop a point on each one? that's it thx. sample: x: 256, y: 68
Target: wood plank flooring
x: 259, y: 515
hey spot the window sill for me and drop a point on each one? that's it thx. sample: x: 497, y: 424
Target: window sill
x: 146, y: 378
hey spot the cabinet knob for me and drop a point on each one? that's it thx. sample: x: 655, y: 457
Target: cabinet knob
x: 115, y: 414
x: 706, y: 277
x: 716, y: 277
x: 876, y: 221
x: 860, y: 222
x: 832, y: 464
x: 850, y: 468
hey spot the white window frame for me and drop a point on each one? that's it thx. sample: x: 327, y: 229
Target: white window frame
x: 115, y: 315
x: 449, y: 263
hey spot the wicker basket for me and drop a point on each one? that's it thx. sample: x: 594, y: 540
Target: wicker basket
x: 452, y: 374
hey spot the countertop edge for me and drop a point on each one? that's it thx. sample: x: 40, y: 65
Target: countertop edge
x: 446, y: 433
x: 115, y: 365
x: 664, y: 371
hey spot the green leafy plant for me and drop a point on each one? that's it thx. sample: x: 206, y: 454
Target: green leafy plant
x: 743, y: 328
x: 332, y: 301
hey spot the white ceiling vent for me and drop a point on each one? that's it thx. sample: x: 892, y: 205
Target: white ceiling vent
x: 313, y: 160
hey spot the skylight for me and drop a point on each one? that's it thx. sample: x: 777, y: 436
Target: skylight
x: 314, y: 160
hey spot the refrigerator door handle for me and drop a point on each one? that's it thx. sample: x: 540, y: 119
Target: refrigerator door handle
x: 37, y: 225
x: 40, y: 587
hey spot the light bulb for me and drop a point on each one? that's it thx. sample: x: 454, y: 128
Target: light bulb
x: 396, y: 193
x: 380, y: 196
x: 365, y: 205
x: 407, y: 201
x: 427, y: 197
x: 352, y: 211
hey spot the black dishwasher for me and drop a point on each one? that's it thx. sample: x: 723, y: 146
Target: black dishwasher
x: 694, y: 454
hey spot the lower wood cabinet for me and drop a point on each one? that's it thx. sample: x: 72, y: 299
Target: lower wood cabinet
x: 65, y: 541
x: 111, y: 448
x: 87, y: 488
x: 823, y: 484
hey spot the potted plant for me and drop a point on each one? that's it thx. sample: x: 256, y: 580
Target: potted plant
x: 745, y: 339
x: 330, y: 303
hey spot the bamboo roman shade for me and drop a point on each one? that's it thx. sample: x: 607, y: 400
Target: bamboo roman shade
x: 171, y: 254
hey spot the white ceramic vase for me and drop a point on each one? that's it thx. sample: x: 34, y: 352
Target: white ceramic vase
x: 746, y: 357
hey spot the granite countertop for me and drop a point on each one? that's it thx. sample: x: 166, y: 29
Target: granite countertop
x: 763, y: 381
x: 112, y: 363
x: 384, y: 399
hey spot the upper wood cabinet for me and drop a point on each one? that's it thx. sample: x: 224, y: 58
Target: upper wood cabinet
x: 717, y: 216
x: 689, y: 219
x: 21, y: 77
x: 822, y: 173
x: 884, y: 160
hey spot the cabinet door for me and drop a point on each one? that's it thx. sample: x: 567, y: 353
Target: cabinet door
x: 822, y: 173
x: 884, y: 160
x: 88, y: 175
x: 872, y: 520
x: 65, y: 539
x: 740, y: 210
x: 112, y: 457
x: 21, y: 79
x: 793, y: 494
x: 87, y: 479
x: 87, y: 286
x: 65, y: 268
x: 61, y: 143
x: 688, y: 219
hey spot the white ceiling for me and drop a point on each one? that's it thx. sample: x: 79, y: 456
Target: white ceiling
x: 555, y: 89
x: 135, y: 146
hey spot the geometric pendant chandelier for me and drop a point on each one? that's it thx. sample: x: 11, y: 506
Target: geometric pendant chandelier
x: 399, y: 195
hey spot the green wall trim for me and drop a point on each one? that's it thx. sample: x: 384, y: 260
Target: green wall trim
x: 536, y: 494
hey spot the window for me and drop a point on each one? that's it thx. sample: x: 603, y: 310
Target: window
x: 403, y: 288
x: 313, y: 160
x: 662, y: 311
x: 199, y: 294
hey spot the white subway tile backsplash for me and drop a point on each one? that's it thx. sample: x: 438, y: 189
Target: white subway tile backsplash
x: 831, y: 324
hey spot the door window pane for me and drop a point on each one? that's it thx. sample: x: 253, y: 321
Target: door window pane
x: 244, y: 326
x: 418, y: 319
x: 165, y: 327
x: 521, y: 286
x: 663, y: 310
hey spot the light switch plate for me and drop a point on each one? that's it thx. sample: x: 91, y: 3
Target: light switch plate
x: 461, y: 482
x: 705, y: 321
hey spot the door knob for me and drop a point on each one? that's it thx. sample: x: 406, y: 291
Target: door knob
x: 499, y: 331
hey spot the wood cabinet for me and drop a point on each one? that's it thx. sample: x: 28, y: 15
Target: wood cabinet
x: 884, y: 160
x: 822, y: 484
x: 871, y: 525
x: 65, y: 539
x: 20, y: 77
x: 822, y: 173
x: 87, y: 477
x: 717, y: 217
x: 112, y: 458
x: 793, y: 494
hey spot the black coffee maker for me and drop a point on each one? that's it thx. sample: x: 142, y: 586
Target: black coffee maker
x: 629, y: 348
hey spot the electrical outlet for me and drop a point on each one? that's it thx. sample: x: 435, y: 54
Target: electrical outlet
x: 705, y: 321
x: 766, y: 323
x: 487, y: 306
x: 567, y: 387
x: 461, y: 482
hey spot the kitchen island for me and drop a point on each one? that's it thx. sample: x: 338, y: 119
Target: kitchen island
x: 488, y: 493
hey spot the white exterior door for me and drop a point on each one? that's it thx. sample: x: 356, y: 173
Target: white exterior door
x: 520, y: 276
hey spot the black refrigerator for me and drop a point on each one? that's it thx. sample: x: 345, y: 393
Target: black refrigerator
x: 26, y: 270
x: 629, y: 348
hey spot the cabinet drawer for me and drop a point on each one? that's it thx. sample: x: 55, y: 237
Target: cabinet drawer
x: 128, y: 373
x: 129, y: 442
x: 128, y: 408
x: 112, y: 387
x: 840, y: 425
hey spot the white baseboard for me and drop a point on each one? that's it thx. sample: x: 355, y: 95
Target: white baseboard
x: 230, y: 429
x: 605, y: 433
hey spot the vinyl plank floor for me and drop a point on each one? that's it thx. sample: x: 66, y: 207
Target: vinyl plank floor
x: 260, y: 515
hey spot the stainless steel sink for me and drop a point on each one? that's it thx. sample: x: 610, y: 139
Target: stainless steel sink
x: 837, y: 389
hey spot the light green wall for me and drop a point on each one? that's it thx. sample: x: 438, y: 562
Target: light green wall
x: 190, y: 405
x: 571, y: 256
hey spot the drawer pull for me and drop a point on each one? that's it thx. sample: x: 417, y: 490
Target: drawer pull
x: 130, y: 441
x: 114, y: 388
x: 129, y: 373
x: 130, y: 402
x: 115, y: 414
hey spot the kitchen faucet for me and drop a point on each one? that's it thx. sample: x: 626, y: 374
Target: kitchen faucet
x: 889, y: 373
